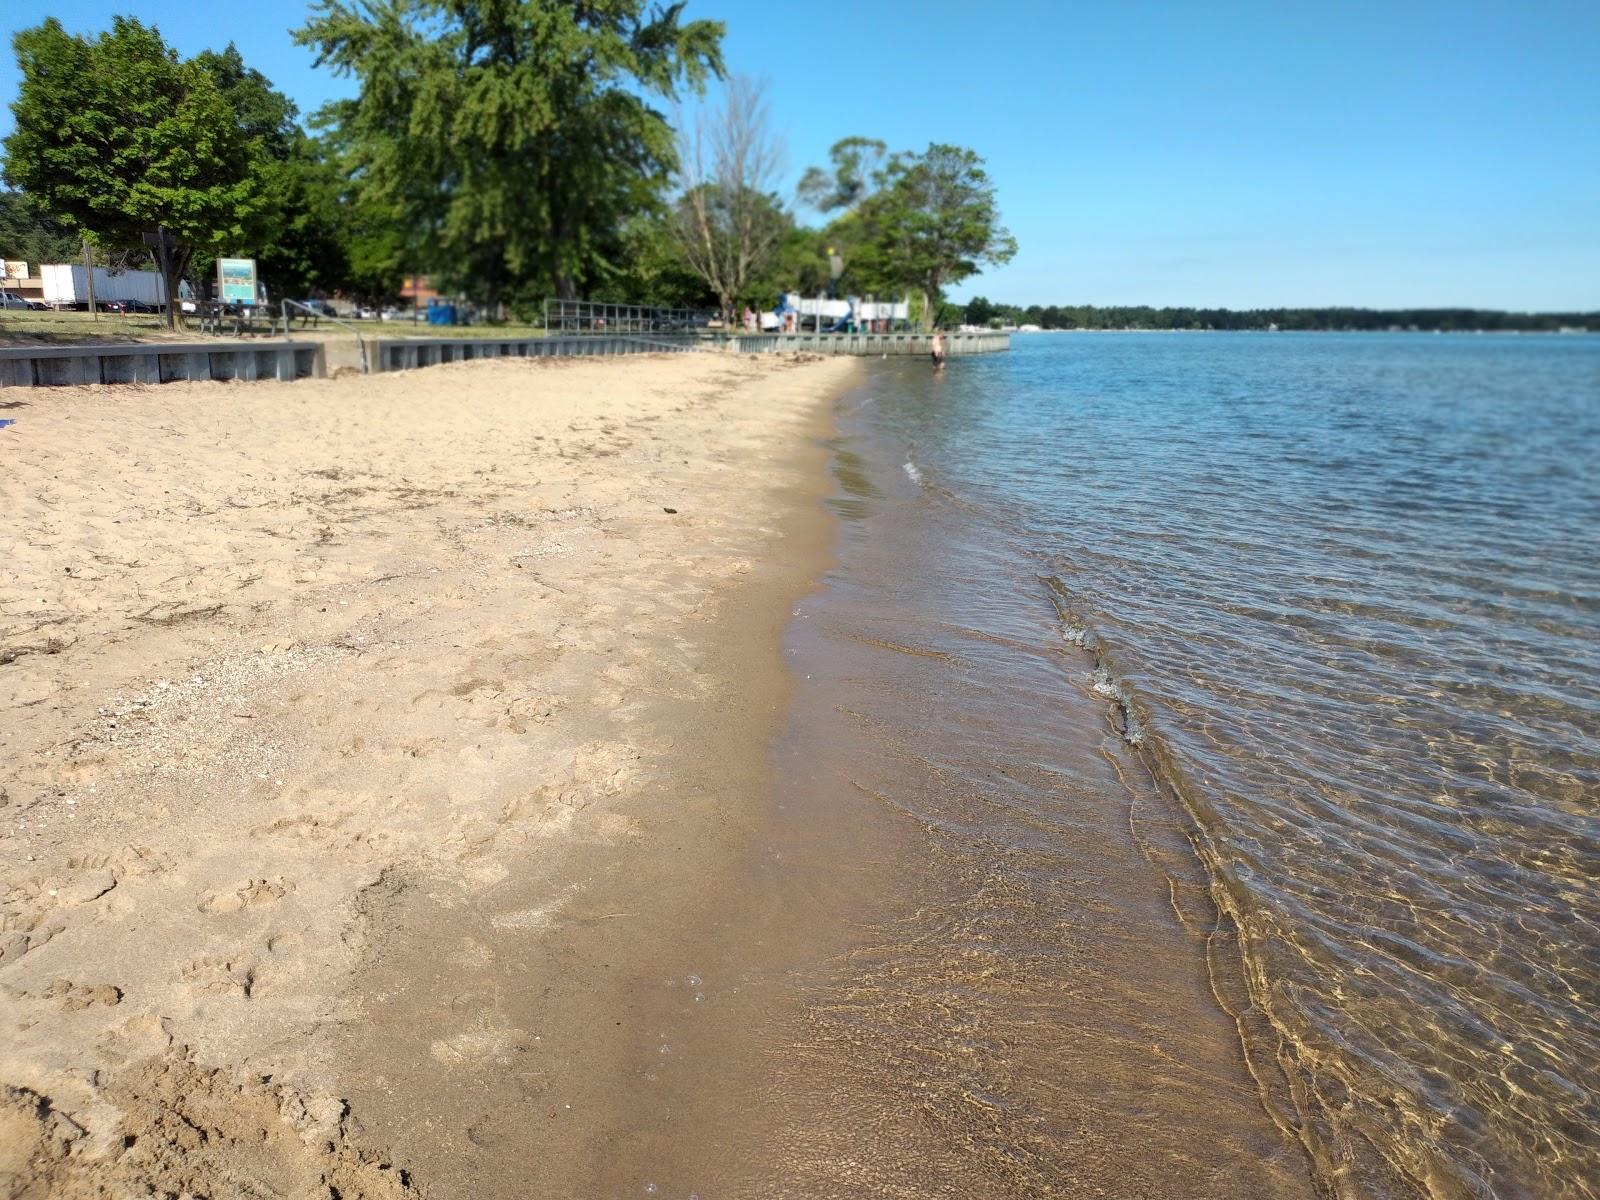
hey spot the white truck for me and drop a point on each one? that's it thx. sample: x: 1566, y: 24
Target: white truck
x: 67, y: 286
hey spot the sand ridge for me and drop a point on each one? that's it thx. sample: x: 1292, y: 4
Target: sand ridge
x: 273, y: 657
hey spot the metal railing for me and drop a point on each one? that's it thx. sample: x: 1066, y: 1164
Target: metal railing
x: 318, y: 314
x: 215, y: 317
x: 593, y: 316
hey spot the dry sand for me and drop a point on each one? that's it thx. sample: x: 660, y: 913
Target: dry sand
x: 293, y: 676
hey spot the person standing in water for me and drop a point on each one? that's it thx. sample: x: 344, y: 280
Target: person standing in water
x: 938, y: 350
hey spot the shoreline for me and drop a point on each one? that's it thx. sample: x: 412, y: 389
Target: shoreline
x: 374, y: 657
x: 1017, y: 995
x: 614, y: 965
x: 569, y: 798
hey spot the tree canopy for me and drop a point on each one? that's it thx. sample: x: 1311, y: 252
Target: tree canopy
x: 300, y: 233
x: 511, y: 149
x: 936, y: 220
x: 981, y: 311
x: 856, y: 172
x: 909, y: 222
x: 31, y: 233
x: 513, y: 137
x: 728, y: 221
x: 119, y: 137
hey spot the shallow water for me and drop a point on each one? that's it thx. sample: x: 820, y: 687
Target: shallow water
x: 950, y: 965
x: 1343, y: 596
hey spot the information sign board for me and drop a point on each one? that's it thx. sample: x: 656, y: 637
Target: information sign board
x: 236, y: 279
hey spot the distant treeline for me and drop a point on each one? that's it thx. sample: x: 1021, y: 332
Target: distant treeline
x: 1089, y: 316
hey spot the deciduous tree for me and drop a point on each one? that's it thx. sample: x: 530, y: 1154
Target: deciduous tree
x: 513, y: 137
x: 30, y: 233
x: 728, y: 219
x: 856, y: 172
x: 118, y: 137
x: 936, y: 221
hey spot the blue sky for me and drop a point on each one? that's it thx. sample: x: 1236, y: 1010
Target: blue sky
x: 1290, y: 153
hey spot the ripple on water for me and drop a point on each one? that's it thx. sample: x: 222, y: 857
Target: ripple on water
x: 1347, y: 591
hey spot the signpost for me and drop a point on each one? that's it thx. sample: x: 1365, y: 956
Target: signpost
x: 236, y: 280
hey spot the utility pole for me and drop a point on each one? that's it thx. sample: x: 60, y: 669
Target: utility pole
x: 88, y: 274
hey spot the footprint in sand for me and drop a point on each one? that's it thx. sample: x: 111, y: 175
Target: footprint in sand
x: 485, y: 1042
x: 80, y: 887
x: 27, y: 933
x: 251, y: 894
x: 326, y: 827
x: 77, y: 996
x: 221, y: 977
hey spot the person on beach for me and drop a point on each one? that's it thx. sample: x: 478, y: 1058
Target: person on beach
x: 938, y: 349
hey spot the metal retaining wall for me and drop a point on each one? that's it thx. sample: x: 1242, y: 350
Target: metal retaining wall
x: 163, y: 362
x: 867, y: 345
x: 400, y: 354
x: 404, y: 354
x: 158, y: 362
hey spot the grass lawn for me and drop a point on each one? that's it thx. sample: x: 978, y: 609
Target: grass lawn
x: 19, y: 328
x: 406, y: 328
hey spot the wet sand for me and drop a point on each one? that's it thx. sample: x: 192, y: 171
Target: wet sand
x: 965, y: 950
x: 297, y: 679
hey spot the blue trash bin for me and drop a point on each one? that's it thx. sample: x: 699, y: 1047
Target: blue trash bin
x: 441, y: 312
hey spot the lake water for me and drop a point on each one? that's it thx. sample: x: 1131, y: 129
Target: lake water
x: 1342, y: 596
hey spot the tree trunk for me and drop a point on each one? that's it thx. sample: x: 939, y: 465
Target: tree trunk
x: 164, y: 259
x: 179, y: 264
x: 493, y: 290
x: 88, y: 279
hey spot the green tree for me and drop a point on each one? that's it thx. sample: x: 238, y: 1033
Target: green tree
x: 513, y: 137
x: 300, y: 236
x: 31, y: 233
x: 935, y: 221
x: 650, y: 269
x: 980, y: 311
x: 264, y: 114
x: 380, y: 249
x: 120, y: 138
x: 800, y: 264
x: 728, y: 221
x: 908, y: 223
x: 856, y: 172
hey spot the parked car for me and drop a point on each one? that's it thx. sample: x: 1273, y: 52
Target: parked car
x: 12, y: 300
x: 128, y: 306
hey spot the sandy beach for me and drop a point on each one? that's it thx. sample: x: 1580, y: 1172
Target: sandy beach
x: 325, y: 706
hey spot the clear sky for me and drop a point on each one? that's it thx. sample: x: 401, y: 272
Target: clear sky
x: 1246, y: 154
